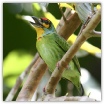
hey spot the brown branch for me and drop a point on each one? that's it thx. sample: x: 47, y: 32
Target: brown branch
x: 20, y: 79
x: 32, y: 81
x: 86, y: 33
x: 65, y: 29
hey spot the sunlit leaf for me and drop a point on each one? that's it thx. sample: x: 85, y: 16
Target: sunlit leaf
x: 14, y: 64
x: 66, y: 5
x: 98, y: 7
x: 86, y: 46
x: 36, y: 5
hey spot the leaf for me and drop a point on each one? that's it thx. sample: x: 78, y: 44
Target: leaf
x: 14, y: 64
x: 84, y: 10
x: 66, y: 5
x: 86, y: 46
x: 98, y: 6
x: 36, y: 6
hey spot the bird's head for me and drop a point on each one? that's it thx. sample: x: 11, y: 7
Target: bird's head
x: 43, y: 26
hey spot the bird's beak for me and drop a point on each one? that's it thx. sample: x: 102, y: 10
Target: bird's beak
x: 37, y: 22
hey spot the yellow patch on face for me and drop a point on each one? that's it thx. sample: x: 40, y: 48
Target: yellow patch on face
x: 45, y: 25
x: 39, y: 31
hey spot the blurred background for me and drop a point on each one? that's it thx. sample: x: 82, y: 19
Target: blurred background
x: 19, y: 40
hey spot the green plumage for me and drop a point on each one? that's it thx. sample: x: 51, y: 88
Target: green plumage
x: 52, y: 47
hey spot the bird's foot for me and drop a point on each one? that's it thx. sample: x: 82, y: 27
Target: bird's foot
x: 44, y: 91
x: 58, y: 66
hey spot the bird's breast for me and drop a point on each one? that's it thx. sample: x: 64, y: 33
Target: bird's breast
x: 50, y: 52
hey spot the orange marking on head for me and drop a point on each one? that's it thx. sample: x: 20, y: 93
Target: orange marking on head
x: 46, y: 25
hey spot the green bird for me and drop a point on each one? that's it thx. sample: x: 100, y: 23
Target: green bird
x: 52, y: 47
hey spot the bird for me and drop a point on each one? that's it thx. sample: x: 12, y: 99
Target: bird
x: 52, y: 47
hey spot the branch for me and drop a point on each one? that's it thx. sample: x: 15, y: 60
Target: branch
x: 20, y: 79
x: 65, y: 29
x: 32, y: 81
x: 96, y: 33
x: 86, y: 33
x: 65, y: 98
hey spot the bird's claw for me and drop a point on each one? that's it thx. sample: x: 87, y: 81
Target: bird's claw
x: 58, y: 65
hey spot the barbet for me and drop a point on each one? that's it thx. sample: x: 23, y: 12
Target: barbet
x: 52, y: 47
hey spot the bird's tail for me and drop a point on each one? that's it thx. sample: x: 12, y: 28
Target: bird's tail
x: 81, y: 90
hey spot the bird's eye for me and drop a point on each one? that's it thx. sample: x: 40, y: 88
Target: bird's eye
x: 41, y: 20
x: 46, y: 22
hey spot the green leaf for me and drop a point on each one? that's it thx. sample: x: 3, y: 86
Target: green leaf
x: 14, y: 64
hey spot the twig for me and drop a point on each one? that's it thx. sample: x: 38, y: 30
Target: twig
x: 65, y: 98
x: 96, y: 33
x: 32, y: 81
x: 86, y: 33
x: 20, y: 79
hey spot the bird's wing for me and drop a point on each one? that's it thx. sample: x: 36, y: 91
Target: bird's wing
x: 65, y: 46
x: 62, y: 43
x: 75, y: 60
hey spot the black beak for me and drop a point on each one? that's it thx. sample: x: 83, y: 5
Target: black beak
x: 37, y: 22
